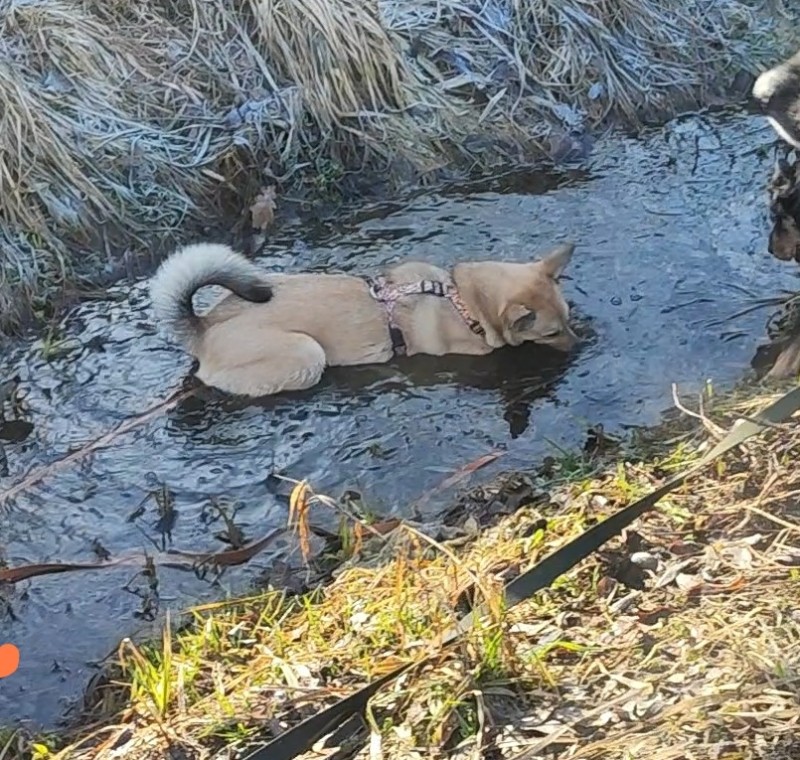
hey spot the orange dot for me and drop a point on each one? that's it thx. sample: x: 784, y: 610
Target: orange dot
x: 9, y: 660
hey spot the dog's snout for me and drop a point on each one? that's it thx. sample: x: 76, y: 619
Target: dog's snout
x: 756, y: 105
x: 573, y: 339
x: 566, y: 342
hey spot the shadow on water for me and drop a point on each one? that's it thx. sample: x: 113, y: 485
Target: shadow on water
x: 671, y: 232
x: 518, y: 377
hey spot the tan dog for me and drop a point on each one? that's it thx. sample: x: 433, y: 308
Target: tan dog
x: 278, y: 332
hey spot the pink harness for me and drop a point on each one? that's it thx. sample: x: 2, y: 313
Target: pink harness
x: 389, y: 295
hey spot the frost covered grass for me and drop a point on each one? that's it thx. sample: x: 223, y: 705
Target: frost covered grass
x: 126, y: 126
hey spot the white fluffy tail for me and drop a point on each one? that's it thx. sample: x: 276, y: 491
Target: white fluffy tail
x: 193, y: 267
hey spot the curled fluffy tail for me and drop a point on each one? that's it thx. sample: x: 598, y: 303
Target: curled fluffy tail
x: 193, y: 267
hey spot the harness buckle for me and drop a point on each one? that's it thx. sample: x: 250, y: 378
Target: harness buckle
x: 432, y: 287
x: 375, y: 286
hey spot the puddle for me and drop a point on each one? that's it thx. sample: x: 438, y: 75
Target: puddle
x: 650, y: 217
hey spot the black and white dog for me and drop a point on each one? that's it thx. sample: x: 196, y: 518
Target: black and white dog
x: 776, y: 94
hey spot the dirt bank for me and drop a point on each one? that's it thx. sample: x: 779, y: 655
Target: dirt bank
x: 689, y: 615
x: 127, y: 126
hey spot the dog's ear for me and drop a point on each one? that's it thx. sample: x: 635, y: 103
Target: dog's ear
x: 557, y: 260
x: 525, y: 322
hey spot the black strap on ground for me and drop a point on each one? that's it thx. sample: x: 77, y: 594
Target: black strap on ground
x: 299, y: 739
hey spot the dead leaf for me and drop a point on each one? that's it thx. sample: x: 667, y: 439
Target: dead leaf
x: 471, y: 527
x: 230, y: 557
x: 741, y: 556
x: 788, y: 556
x: 460, y: 474
x: 299, y: 503
x: 736, y: 584
x: 362, y: 530
x: 606, y: 585
x: 669, y: 575
x: 25, y: 572
x: 174, y: 558
x: 262, y: 212
x: 384, y: 527
x: 598, y: 501
x: 605, y: 718
x: 687, y: 582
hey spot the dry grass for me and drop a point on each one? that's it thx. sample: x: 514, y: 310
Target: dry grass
x: 680, y: 640
x: 124, y: 124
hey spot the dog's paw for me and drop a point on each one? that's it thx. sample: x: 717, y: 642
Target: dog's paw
x: 784, y: 239
x: 788, y: 362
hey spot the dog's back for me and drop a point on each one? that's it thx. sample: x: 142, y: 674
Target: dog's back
x: 336, y: 310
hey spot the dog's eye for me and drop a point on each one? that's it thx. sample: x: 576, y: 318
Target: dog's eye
x: 554, y: 333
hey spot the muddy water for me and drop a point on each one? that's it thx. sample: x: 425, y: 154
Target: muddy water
x: 671, y: 233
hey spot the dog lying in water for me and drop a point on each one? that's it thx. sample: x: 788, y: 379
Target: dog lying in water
x: 278, y: 332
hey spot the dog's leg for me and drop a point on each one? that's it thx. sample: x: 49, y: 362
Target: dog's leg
x: 289, y: 361
x: 788, y: 362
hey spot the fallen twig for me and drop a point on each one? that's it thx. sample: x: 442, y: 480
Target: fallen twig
x: 105, y: 440
x: 461, y: 474
x: 175, y: 559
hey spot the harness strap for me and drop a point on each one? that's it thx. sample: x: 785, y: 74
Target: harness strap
x: 377, y: 286
x: 454, y: 296
x: 389, y: 295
